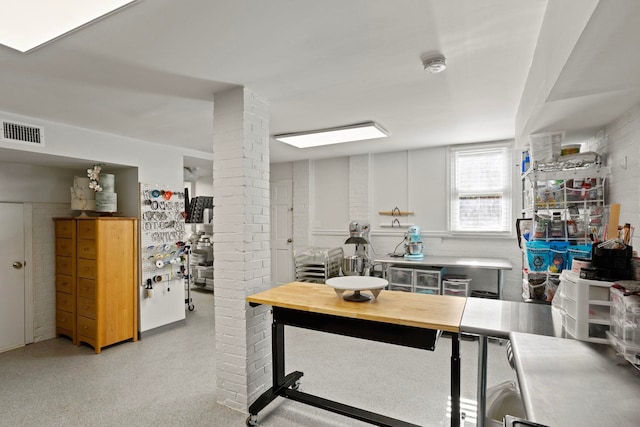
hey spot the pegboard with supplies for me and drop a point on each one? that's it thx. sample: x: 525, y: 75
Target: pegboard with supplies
x: 162, y: 234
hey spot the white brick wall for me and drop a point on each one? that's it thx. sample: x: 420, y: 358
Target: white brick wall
x: 359, y: 188
x: 241, y: 233
x: 43, y: 264
x: 622, y: 140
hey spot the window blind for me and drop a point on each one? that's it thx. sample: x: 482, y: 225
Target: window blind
x: 480, y: 190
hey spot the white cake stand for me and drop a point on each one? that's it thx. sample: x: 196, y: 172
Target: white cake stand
x: 357, y: 284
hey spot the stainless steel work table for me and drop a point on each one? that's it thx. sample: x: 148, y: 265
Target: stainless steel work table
x: 566, y: 383
x: 496, y: 318
x: 401, y: 318
x: 499, y: 264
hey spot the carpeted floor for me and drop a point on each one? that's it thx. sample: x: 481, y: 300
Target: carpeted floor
x: 168, y: 379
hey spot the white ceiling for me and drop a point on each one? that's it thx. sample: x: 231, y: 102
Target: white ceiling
x: 151, y: 70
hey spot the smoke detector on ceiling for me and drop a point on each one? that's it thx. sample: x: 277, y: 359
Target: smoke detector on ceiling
x: 435, y: 64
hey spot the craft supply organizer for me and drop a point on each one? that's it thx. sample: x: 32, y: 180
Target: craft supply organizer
x: 162, y: 231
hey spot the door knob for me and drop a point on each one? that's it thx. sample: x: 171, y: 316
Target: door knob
x: 289, y: 240
x: 17, y: 265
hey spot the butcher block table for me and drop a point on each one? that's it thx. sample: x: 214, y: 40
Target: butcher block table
x: 401, y: 318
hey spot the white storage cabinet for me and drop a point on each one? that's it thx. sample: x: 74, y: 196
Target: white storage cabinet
x: 585, y: 307
x: 419, y: 280
x: 624, y: 334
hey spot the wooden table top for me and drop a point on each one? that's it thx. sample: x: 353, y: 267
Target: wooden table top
x: 439, y: 312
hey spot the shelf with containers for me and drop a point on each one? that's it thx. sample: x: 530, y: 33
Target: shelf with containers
x: 624, y: 333
x: 585, y: 306
x: 419, y: 280
x: 456, y: 286
x: 565, y: 202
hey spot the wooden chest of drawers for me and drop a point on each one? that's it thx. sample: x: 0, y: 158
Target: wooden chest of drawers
x: 96, y: 276
x: 66, y: 278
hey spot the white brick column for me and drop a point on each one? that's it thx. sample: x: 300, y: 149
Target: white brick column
x: 242, y: 260
x: 359, y: 187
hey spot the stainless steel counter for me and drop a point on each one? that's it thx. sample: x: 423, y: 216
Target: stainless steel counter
x: 499, y: 264
x: 497, y: 318
x: 449, y: 261
x: 574, y: 383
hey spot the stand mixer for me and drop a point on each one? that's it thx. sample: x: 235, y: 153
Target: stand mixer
x: 413, y: 243
x: 356, y: 264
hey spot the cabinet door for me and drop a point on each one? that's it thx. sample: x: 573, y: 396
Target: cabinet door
x: 87, y: 328
x: 64, y: 228
x: 65, y: 323
x: 65, y: 302
x: 86, y: 288
x: 87, y: 248
x: 64, y: 283
x: 64, y: 265
x: 87, y: 268
x: 64, y: 247
x: 87, y: 307
x: 87, y: 228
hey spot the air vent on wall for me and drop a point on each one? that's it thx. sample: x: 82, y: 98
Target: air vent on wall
x: 17, y: 132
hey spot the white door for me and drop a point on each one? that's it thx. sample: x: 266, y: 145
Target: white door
x: 12, y: 281
x: 282, y: 232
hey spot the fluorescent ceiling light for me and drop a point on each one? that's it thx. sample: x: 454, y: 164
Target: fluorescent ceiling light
x: 337, y: 135
x: 28, y: 24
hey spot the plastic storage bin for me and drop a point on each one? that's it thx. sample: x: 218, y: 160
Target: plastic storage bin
x: 456, y: 287
x: 625, y: 317
x: 400, y: 279
x: 630, y: 352
x: 428, y: 281
x: 585, y: 307
x: 423, y: 280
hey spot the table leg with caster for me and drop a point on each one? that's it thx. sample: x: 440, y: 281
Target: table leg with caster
x: 280, y: 382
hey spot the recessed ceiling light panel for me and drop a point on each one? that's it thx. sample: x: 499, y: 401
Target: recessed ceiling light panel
x: 337, y: 135
x: 28, y: 24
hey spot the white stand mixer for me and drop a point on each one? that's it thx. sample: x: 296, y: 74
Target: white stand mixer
x: 413, y: 246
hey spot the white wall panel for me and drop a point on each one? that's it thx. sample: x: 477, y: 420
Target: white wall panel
x: 331, y: 193
x: 389, y: 186
x: 428, y: 188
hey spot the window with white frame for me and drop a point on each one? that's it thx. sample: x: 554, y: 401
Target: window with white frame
x: 480, y: 189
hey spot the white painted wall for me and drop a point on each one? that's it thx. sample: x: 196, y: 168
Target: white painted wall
x: 158, y: 164
x: 281, y: 171
x: 428, y: 188
x: 331, y: 194
x: 203, y: 187
x: 29, y: 183
x: 390, y: 187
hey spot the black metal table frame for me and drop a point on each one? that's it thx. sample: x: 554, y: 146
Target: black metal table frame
x: 287, y: 385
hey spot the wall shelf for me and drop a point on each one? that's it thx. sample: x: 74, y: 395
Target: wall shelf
x: 395, y: 213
